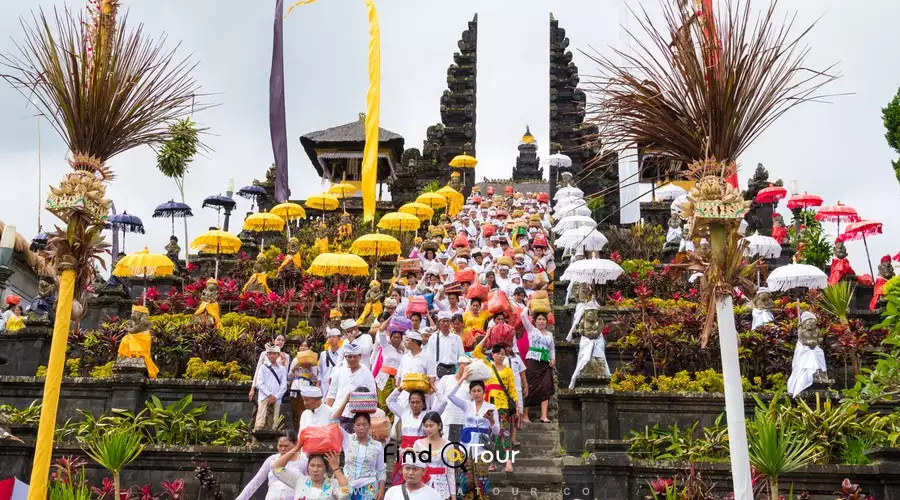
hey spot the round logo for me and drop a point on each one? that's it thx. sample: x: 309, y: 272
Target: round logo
x: 454, y: 457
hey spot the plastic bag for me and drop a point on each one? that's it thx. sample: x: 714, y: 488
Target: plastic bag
x: 498, y: 303
x: 465, y: 276
x: 479, y: 370
x: 478, y: 291
x: 321, y: 439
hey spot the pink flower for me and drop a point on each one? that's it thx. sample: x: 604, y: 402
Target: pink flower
x: 661, y: 485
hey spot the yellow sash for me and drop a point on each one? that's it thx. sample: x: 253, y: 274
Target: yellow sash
x: 137, y: 345
x: 212, y: 309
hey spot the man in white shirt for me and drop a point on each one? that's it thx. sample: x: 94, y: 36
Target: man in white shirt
x: 413, y: 488
x: 316, y: 412
x: 329, y: 358
x: 271, y: 384
x: 445, y: 346
x: 346, y: 379
x: 453, y: 417
x: 363, y: 340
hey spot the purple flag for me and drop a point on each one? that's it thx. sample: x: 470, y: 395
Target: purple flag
x: 277, y: 121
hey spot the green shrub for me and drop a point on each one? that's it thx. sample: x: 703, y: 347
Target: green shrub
x: 198, y: 369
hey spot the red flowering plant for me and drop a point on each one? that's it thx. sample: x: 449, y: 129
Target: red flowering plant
x: 850, y: 491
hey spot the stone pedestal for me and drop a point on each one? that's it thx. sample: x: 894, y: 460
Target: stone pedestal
x: 591, y: 381
x: 787, y: 255
x: 108, y: 303
x: 656, y: 213
x: 862, y: 297
x: 21, y: 353
x: 128, y: 387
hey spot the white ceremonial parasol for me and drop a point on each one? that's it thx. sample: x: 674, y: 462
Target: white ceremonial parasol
x: 585, y: 237
x: 573, y: 209
x: 572, y: 222
x: 670, y: 192
x: 569, y: 192
x: 676, y: 203
x: 795, y: 276
x: 762, y: 246
x: 559, y: 160
x: 592, y: 271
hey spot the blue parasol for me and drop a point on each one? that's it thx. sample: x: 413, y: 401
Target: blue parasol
x: 253, y: 193
x: 39, y: 242
x: 173, y: 209
x: 219, y: 202
x: 127, y: 223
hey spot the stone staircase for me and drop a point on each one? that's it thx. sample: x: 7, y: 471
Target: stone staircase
x: 537, y: 471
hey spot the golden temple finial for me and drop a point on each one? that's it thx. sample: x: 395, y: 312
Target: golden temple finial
x: 527, y: 138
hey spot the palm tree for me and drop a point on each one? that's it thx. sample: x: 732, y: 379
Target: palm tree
x: 105, y: 88
x: 175, y: 156
x: 114, y: 450
x: 699, y: 92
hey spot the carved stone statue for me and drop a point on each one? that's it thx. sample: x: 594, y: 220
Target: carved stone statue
x: 673, y: 236
x: 42, y: 308
x: 885, y: 269
x: 808, y: 366
x: 173, y: 250
x: 703, y: 251
x: 456, y: 181
x: 208, y: 311
x: 134, y: 348
x: 762, y: 308
x: 258, y: 282
x: 345, y: 231
x: 592, y: 345
x: 779, y: 231
x: 292, y: 256
x: 566, y: 180
x: 321, y: 242
x: 373, y: 307
x: 840, y: 264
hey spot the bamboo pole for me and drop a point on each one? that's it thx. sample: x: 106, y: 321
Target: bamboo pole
x: 43, y: 448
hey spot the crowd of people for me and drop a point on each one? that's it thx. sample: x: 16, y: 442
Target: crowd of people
x: 441, y: 368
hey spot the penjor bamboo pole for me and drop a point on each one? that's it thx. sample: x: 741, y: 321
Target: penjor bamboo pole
x: 731, y: 373
x: 43, y: 448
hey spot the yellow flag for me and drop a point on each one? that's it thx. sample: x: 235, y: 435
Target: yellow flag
x: 373, y: 104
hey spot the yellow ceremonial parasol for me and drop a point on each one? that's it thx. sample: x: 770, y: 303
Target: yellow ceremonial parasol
x: 463, y: 161
x: 218, y: 242
x: 399, y: 221
x: 454, y: 198
x: 288, y: 211
x: 433, y: 200
x: 376, y: 245
x: 262, y: 222
x: 344, y: 264
x: 343, y: 189
x: 420, y: 210
x: 144, y: 264
x: 324, y: 202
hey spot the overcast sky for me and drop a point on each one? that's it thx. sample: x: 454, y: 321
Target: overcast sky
x: 836, y: 150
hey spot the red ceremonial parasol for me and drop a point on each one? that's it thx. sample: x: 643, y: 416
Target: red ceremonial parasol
x: 771, y: 194
x: 837, y: 213
x: 859, y: 230
x: 804, y: 200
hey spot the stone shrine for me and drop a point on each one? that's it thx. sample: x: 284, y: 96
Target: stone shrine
x: 528, y: 165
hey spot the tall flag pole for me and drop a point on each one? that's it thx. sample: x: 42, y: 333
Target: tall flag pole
x: 373, y: 105
x: 277, y: 119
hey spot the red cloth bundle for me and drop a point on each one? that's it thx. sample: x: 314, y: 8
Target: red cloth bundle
x: 465, y: 276
x: 417, y: 304
x: 500, y: 334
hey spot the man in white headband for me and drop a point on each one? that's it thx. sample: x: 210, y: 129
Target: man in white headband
x: 346, y: 379
x: 413, y: 487
x: 363, y: 340
x: 271, y: 384
x: 316, y: 413
x: 330, y: 357
x: 446, y: 347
